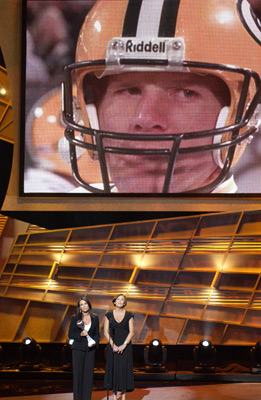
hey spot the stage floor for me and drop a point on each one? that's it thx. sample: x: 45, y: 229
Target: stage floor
x: 227, y: 391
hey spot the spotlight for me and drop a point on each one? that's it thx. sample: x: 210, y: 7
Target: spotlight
x: 67, y: 355
x: 205, y: 356
x: 255, y: 359
x: 155, y: 356
x: 30, y: 354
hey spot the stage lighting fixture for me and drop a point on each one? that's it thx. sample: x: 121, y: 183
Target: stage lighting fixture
x: 30, y: 355
x: 205, y: 355
x: 67, y: 355
x: 255, y: 359
x: 155, y: 356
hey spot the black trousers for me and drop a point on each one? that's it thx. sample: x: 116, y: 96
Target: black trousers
x: 83, y: 365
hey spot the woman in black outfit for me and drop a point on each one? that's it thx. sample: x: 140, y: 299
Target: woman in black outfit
x: 118, y: 330
x: 84, y: 329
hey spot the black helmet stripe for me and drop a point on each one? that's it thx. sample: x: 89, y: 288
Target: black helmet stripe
x: 131, y: 18
x: 157, y: 18
x: 168, y: 18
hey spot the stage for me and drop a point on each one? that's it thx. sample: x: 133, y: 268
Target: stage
x: 229, y: 391
x: 232, y: 378
x: 179, y: 385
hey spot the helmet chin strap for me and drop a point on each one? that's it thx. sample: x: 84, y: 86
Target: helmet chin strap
x: 221, y: 122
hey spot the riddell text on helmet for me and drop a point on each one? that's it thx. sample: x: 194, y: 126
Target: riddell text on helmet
x: 147, y: 47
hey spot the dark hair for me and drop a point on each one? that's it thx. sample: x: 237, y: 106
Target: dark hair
x: 118, y: 295
x: 78, y: 306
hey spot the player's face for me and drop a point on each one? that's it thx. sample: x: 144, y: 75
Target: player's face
x: 160, y: 103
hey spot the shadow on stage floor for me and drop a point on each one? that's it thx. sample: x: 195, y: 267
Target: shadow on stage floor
x: 227, y: 391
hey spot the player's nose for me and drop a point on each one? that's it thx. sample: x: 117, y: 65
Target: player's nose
x: 151, y: 113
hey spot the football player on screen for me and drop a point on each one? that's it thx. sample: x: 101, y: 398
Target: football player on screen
x: 163, y: 96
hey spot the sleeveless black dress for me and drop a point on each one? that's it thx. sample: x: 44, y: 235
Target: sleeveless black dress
x: 119, y: 367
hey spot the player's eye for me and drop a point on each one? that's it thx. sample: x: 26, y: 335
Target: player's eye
x: 134, y: 90
x: 188, y: 93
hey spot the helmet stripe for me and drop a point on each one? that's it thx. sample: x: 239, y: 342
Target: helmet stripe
x: 131, y: 18
x: 149, y: 19
x: 169, y: 18
x: 154, y: 19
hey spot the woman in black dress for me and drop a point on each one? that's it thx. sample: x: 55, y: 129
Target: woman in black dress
x: 118, y: 330
x: 84, y: 329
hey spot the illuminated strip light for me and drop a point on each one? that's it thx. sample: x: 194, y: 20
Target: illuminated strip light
x: 229, y: 298
x: 209, y: 246
x: 189, y: 295
x: 123, y: 247
x: 228, y: 302
x: 148, y: 291
x: 256, y: 301
x: 42, y: 247
x: 167, y: 246
x: 246, y: 246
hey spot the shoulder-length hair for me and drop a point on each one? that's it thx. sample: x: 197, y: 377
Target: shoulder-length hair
x: 78, y: 306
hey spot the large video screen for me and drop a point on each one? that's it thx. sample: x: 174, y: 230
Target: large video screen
x: 141, y: 97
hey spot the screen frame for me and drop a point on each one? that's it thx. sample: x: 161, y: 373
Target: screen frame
x: 114, y: 200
